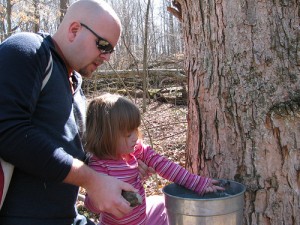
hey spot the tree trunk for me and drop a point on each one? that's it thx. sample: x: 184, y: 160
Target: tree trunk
x: 8, y: 31
x: 242, y: 63
x: 63, y: 8
x: 145, y: 56
x: 36, y: 16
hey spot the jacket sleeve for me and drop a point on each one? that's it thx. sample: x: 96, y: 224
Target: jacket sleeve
x: 22, y: 65
x: 172, y: 171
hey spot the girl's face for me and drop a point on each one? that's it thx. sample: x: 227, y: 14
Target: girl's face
x: 127, y: 142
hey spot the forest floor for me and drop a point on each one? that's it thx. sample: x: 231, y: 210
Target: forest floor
x: 164, y: 127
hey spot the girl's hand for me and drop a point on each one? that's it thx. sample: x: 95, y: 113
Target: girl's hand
x: 214, y: 187
x: 144, y: 170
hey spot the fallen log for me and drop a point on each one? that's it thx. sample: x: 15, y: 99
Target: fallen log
x: 175, y: 73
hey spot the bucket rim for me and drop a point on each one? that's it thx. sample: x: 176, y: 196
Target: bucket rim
x: 203, y: 198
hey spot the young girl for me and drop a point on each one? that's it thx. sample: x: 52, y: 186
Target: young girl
x: 113, y: 138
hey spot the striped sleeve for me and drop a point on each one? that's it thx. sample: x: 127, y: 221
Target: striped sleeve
x: 126, y: 171
x: 172, y: 171
x: 100, y: 169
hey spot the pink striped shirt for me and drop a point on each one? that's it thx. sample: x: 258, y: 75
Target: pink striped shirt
x: 127, y: 171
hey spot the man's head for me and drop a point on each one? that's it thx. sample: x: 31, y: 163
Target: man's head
x: 88, y: 33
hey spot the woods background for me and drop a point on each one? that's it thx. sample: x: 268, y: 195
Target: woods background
x: 241, y: 59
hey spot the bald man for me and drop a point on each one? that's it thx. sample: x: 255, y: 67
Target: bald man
x: 41, y: 128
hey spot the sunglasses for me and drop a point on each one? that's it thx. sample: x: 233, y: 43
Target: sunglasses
x: 103, y: 45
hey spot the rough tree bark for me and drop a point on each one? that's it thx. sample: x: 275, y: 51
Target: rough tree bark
x: 243, y: 62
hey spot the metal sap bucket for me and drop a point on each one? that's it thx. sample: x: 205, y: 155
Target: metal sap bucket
x: 185, y: 207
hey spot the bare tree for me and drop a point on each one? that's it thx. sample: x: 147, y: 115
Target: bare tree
x: 133, y: 15
x: 171, y: 32
x: 63, y: 8
x: 145, y: 56
x: 242, y: 60
x: 36, y: 16
x: 6, y: 13
x: 31, y: 16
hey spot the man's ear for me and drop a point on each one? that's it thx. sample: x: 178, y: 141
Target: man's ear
x: 73, y: 29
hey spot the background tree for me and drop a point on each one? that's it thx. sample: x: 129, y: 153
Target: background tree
x: 6, y: 12
x: 145, y: 55
x: 243, y: 62
x: 45, y: 15
x: 64, y: 4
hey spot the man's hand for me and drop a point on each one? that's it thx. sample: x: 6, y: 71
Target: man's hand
x: 104, y: 191
x: 144, y: 170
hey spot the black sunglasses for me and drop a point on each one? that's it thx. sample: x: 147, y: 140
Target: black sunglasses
x: 103, y: 45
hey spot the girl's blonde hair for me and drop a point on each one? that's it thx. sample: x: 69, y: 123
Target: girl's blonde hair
x: 109, y: 117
